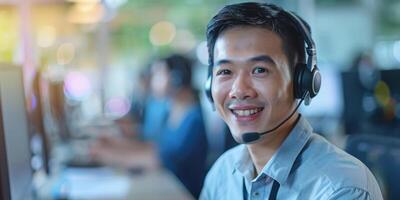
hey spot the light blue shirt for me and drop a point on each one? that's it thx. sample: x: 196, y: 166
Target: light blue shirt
x: 306, y: 166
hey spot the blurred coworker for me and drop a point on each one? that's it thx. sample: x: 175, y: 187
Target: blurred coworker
x: 368, y: 72
x: 258, y: 77
x: 181, y: 145
x: 148, y: 111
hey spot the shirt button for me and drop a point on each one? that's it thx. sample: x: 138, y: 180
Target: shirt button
x: 256, y: 194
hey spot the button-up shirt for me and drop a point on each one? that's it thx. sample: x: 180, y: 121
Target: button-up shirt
x: 306, y: 166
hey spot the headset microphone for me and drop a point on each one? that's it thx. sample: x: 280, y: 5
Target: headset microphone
x: 251, y: 137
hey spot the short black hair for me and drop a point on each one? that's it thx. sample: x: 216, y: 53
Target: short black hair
x: 263, y: 15
x: 180, y: 68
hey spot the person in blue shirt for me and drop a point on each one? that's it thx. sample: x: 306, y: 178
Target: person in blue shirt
x: 182, y: 146
x: 148, y: 110
x: 173, y: 135
x: 262, y: 66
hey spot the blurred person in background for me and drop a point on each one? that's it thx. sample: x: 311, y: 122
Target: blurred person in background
x: 180, y: 144
x: 260, y: 71
x: 368, y: 71
x: 148, y: 110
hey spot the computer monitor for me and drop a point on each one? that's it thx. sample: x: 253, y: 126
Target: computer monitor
x: 15, y: 168
x: 372, y: 103
x: 380, y: 154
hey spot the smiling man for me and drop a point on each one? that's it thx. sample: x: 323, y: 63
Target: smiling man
x: 260, y: 71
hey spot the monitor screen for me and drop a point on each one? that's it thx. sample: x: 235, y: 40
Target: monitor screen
x: 16, y: 172
x: 372, y: 102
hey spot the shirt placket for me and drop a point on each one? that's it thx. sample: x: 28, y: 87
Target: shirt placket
x: 259, y: 188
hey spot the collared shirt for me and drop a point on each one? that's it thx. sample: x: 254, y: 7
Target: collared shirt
x: 306, y: 166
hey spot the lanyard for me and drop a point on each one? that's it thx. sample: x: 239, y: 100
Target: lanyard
x: 272, y: 195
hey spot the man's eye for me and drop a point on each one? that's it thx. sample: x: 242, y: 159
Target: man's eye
x: 223, y: 72
x: 259, y: 70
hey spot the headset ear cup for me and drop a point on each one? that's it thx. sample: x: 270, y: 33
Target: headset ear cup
x: 306, y: 81
x: 316, y: 82
x: 298, y: 87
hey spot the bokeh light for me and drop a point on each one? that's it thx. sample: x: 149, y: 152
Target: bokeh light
x: 65, y: 53
x: 202, y: 53
x: 77, y: 86
x: 84, y: 1
x: 46, y: 36
x: 184, y: 41
x: 86, y: 13
x: 162, y: 33
x: 32, y: 102
x: 118, y: 106
x: 382, y: 93
x: 396, y: 50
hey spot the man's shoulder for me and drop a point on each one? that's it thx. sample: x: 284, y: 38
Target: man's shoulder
x: 228, y: 159
x: 335, y: 167
x: 220, y: 179
x: 225, y: 164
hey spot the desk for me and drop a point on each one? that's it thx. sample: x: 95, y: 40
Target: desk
x: 148, y: 185
x: 158, y: 184
x: 105, y: 183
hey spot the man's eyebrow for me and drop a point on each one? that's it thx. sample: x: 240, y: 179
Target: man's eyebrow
x: 223, y: 61
x: 262, y: 58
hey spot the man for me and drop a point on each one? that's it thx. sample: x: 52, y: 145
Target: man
x: 256, y: 83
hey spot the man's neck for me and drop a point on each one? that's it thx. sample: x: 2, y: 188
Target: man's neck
x: 262, y: 151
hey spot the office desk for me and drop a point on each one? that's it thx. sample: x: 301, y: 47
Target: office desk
x: 105, y: 183
x: 148, y: 185
x: 158, y: 184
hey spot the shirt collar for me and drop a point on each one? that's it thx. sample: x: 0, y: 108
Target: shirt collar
x: 283, y: 160
x: 242, y: 162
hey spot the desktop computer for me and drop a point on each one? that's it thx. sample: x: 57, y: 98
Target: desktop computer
x: 15, y: 166
x: 371, y: 118
x: 372, y: 108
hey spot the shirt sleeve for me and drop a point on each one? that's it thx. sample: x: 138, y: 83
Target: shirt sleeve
x: 208, y: 191
x: 350, y: 193
x: 205, y: 192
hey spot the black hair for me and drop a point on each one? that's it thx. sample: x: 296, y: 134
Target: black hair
x: 263, y: 15
x: 180, y: 68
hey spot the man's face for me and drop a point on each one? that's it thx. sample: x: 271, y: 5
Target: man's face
x: 160, y: 79
x: 252, y: 85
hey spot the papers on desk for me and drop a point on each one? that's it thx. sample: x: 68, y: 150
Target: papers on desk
x: 91, y: 183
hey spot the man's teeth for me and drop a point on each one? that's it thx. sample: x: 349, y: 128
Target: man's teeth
x: 247, y: 112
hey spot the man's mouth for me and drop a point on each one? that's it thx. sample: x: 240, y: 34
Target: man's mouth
x: 246, y: 112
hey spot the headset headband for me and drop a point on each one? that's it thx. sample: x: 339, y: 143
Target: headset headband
x: 310, y: 49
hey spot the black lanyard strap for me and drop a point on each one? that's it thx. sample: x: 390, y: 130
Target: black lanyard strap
x: 272, y: 195
x: 274, y: 190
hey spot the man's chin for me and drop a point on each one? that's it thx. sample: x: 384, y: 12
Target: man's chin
x: 237, y: 138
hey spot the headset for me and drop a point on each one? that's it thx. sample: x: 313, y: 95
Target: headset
x: 307, y: 78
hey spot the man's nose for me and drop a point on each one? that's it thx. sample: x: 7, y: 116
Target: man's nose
x: 242, y: 88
